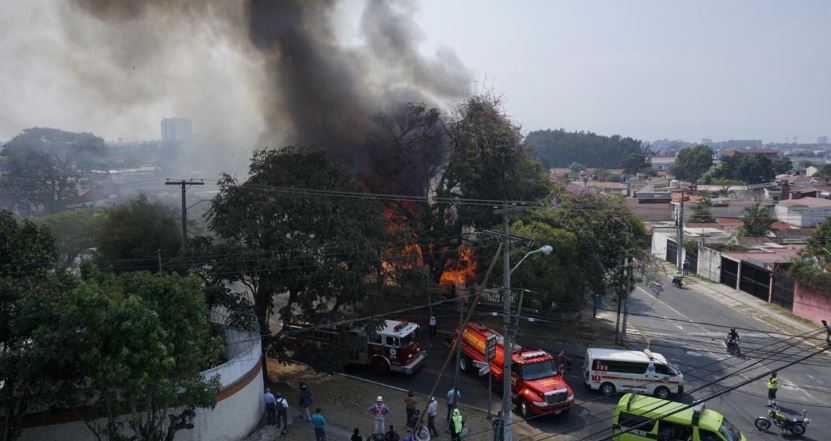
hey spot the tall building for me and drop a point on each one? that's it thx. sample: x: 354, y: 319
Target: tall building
x: 822, y: 140
x: 177, y: 131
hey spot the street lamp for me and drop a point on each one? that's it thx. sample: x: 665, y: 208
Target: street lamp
x: 507, y: 349
x: 545, y: 249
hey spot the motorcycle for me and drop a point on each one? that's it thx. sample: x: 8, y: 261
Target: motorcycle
x: 732, y: 346
x: 677, y: 281
x: 794, y: 425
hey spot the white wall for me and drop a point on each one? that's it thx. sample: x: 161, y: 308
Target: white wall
x: 709, y: 264
x: 659, y: 243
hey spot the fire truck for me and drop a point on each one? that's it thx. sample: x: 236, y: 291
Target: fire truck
x: 537, y: 386
x: 393, y: 347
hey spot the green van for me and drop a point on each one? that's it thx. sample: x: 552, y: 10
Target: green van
x: 693, y: 424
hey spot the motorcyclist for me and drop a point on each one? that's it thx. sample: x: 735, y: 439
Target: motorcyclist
x: 733, y: 336
x: 676, y: 279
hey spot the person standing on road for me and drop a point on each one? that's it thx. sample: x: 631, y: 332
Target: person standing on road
x: 318, y: 422
x: 432, y: 412
x: 773, y: 385
x: 686, y: 267
x: 379, y: 410
x: 305, y: 400
x: 270, y: 407
x: 453, y: 397
x: 411, y: 405
x: 434, y: 322
x: 282, y: 412
x: 457, y: 424
x: 827, y: 332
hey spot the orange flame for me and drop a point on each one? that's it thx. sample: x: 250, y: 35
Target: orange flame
x: 462, y: 270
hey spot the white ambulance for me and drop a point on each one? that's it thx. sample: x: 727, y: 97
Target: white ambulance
x: 645, y: 372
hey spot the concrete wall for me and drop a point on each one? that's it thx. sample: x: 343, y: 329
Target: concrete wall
x: 659, y: 243
x: 802, y: 216
x: 709, y: 264
x: 238, y: 409
x: 810, y: 305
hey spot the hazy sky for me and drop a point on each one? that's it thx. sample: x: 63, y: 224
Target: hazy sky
x: 647, y: 69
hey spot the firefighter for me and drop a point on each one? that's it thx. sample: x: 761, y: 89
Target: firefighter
x: 773, y: 385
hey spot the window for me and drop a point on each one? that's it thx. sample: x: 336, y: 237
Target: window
x: 375, y: 339
x: 392, y: 342
x: 664, y: 369
x: 625, y: 367
x: 636, y: 422
x: 407, y: 340
x: 535, y: 371
x: 668, y: 431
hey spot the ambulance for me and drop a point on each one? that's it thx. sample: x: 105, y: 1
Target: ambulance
x: 645, y: 372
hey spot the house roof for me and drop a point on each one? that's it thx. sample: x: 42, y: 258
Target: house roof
x: 650, y: 212
x: 676, y: 197
x: 779, y: 254
x: 724, y: 221
x: 806, y: 202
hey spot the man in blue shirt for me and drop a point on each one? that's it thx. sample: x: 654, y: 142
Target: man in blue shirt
x: 270, y: 407
x: 453, y: 397
x: 318, y: 422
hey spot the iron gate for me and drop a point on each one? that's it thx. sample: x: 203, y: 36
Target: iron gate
x: 729, y: 271
x: 672, y: 252
x: 755, y: 280
x: 783, y: 288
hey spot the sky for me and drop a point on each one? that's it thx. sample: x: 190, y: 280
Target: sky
x: 744, y: 69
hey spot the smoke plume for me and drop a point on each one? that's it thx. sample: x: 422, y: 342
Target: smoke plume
x: 284, y: 59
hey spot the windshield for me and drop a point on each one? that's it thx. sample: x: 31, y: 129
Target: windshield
x: 407, y: 340
x: 729, y: 431
x: 535, y: 371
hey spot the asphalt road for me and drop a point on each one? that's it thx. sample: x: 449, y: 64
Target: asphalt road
x: 687, y: 327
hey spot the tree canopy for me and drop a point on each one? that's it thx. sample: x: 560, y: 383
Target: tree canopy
x: 40, y: 169
x: 692, y: 162
x: 129, y: 236
x: 320, y: 249
x: 750, y: 169
x: 756, y: 220
x: 701, y: 212
x: 74, y: 232
x: 558, y: 148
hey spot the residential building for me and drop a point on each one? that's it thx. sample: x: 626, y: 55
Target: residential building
x: 177, y: 131
x: 804, y: 212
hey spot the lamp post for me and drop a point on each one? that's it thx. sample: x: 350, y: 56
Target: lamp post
x: 507, y: 349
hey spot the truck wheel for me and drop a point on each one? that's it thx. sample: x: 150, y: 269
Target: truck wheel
x: 522, y: 409
x: 380, y: 366
x: 465, y: 364
x: 607, y: 388
x: 662, y: 392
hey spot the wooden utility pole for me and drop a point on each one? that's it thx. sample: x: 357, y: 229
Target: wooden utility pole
x: 679, y: 257
x: 184, y: 184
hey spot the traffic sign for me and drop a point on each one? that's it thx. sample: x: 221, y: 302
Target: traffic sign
x: 490, y: 347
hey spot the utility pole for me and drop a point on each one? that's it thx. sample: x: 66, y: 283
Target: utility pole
x: 627, y: 276
x: 679, y: 258
x: 184, y: 184
x: 507, y: 349
x: 159, y: 254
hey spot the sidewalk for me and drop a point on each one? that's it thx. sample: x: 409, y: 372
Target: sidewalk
x: 345, y: 402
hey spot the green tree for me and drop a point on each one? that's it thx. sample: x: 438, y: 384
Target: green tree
x: 751, y: 169
x: 41, y: 169
x: 555, y: 279
x: 130, y: 235
x: 691, y: 163
x: 27, y: 254
x: 74, y: 233
x: 819, y: 244
x: 139, y: 343
x: 782, y: 164
x: 756, y: 220
x: 558, y: 148
x: 701, y: 212
x: 322, y: 250
x: 576, y: 167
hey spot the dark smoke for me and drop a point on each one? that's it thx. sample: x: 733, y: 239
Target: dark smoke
x: 310, y: 87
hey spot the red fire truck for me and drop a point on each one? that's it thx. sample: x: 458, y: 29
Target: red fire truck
x: 537, y: 386
x: 394, y: 347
